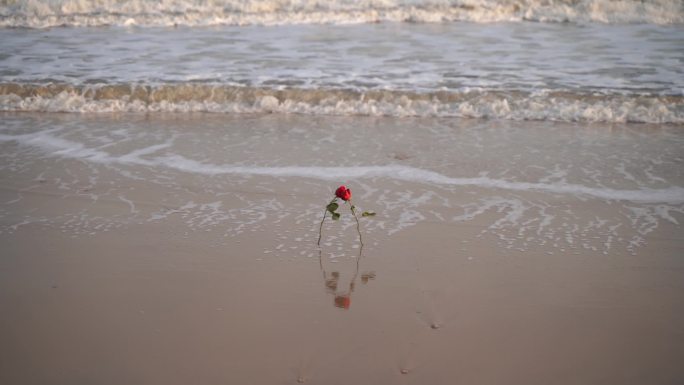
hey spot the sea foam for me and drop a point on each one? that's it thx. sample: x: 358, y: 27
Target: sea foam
x: 469, y: 103
x: 77, y: 13
x: 150, y: 156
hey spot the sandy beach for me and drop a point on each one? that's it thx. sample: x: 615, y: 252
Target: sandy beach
x: 165, y: 166
x: 136, y: 253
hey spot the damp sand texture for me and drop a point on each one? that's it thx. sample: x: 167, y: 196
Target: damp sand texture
x: 151, y: 249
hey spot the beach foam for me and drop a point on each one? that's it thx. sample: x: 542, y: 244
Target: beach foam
x: 149, y: 156
x: 513, y: 105
x: 77, y: 13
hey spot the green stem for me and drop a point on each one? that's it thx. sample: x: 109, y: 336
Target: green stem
x: 358, y: 225
x: 320, y: 229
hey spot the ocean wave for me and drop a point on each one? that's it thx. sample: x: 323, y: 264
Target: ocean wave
x: 563, y: 106
x: 78, y: 13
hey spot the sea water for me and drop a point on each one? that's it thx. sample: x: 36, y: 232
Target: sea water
x: 591, y: 60
x: 577, y: 105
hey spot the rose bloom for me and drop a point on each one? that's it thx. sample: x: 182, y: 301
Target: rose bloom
x: 343, y: 193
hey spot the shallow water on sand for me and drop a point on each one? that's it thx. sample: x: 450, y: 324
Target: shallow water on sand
x: 567, y: 188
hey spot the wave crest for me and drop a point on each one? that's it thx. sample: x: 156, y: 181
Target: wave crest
x: 76, y: 13
x: 492, y: 104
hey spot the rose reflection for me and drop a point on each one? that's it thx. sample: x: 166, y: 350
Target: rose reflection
x: 343, y: 302
x: 336, y: 284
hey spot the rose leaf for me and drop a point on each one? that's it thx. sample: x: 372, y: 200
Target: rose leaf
x: 332, y: 207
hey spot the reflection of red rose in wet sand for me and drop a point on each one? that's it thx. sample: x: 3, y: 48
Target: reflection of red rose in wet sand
x: 343, y: 302
x: 343, y: 193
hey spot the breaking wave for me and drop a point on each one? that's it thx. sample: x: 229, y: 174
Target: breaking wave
x: 564, y: 106
x: 78, y: 13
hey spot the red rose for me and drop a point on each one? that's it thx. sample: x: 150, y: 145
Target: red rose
x: 343, y: 193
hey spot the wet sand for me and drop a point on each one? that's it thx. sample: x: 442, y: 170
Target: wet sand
x: 124, y: 272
